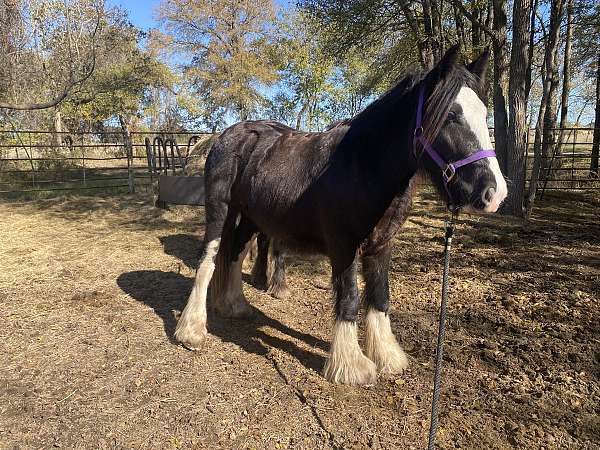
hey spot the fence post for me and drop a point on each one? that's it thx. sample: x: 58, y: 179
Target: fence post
x: 130, y: 175
x: 129, y: 149
x: 573, y: 160
x: 83, y: 159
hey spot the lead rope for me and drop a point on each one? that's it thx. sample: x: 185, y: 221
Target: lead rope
x: 441, y: 331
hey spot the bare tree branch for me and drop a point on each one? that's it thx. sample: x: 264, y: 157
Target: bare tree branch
x: 71, y: 83
x: 459, y: 4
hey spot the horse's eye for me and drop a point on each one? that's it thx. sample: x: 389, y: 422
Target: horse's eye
x: 452, y: 117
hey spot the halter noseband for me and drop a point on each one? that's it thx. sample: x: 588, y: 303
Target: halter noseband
x: 448, y: 169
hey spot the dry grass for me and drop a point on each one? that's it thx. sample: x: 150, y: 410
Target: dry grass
x: 90, y: 289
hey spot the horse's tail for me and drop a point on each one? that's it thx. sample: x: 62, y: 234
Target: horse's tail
x: 220, y: 278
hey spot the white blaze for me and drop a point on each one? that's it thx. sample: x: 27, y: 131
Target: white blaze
x: 475, y: 114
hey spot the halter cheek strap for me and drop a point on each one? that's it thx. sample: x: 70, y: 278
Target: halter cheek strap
x: 448, y: 169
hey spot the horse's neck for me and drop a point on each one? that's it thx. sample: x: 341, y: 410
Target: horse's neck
x: 388, y: 133
x: 376, y: 161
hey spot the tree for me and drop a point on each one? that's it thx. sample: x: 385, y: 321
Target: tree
x: 566, y: 82
x: 517, y: 118
x: 545, y: 133
x: 124, y: 75
x: 307, y: 70
x: 394, y: 27
x: 47, y: 49
x: 316, y: 88
x: 227, y: 43
x: 586, y: 34
x: 596, y: 143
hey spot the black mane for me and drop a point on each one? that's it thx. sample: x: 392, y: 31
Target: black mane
x: 438, y: 102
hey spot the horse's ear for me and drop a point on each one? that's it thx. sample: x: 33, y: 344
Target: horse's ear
x: 444, y: 66
x: 479, y: 66
x: 449, y: 59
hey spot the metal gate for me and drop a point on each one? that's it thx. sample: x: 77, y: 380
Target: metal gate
x: 175, y: 188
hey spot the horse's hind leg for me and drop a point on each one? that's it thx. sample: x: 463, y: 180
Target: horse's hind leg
x: 191, y: 327
x: 278, y: 287
x: 259, y: 270
x: 347, y: 363
x: 221, y: 171
x: 227, y: 297
x: 381, y: 344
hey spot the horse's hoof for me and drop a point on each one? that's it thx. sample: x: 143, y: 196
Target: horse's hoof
x: 381, y: 344
x: 357, y: 370
x: 190, y: 335
x: 235, y: 309
x: 390, y: 361
x: 242, y: 310
x: 280, y: 292
x: 259, y: 282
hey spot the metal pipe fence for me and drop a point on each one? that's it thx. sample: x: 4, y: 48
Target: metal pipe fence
x: 567, y: 164
x: 36, y: 162
x: 42, y: 162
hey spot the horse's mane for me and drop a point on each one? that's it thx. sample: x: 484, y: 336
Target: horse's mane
x: 437, y: 105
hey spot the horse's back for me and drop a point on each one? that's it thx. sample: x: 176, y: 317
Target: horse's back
x: 276, y: 168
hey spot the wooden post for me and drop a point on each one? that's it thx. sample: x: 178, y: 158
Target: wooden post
x: 83, y: 159
x: 129, y: 149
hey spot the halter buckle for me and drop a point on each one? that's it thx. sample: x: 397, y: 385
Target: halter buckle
x: 448, y: 172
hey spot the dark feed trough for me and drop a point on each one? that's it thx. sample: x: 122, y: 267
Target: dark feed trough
x: 175, y: 188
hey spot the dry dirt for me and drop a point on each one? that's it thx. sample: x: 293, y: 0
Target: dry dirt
x: 90, y: 289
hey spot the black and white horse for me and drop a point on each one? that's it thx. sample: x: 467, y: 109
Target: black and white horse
x: 344, y: 193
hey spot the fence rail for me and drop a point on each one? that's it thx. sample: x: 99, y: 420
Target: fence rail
x: 42, y: 162
x: 567, y: 163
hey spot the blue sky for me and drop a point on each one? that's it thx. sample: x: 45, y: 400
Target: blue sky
x: 141, y: 12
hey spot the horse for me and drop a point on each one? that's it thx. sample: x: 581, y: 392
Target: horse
x: 343, y: 193
x: 276, y: 284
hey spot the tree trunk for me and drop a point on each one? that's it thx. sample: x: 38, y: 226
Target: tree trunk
x: 436, y: 29
x: 548, y: 108
x: 301, y: 114
x: 517, y: 89
x: 428, y: 27
x: 488, y: 22
x: 128, y: 143
x: 475, y: 28
x: 460, y: 26
x: 537, y: 156
x: 596, y: 144
x: 57, y: 136
x: 551, y: 81
x: 566, y: 88
x: 500, y: 82
x: 531, y: 44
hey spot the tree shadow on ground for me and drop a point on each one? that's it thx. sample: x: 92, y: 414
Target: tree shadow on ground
x: 166, y: 292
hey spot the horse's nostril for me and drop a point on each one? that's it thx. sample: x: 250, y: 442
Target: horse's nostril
x: 488, y: 194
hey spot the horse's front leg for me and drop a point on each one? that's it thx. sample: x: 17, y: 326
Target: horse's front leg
x: 381, y: 344
x: 347, y: 363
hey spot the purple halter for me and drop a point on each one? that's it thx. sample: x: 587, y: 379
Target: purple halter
x: 448, y: 169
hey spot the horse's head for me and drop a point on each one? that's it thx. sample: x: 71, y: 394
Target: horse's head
x: 454, y: 128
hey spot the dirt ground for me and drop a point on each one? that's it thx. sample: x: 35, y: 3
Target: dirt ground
x: 90, y: 289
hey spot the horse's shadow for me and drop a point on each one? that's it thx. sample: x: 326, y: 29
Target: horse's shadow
x: 166, y: 292
x: 185, y: 247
